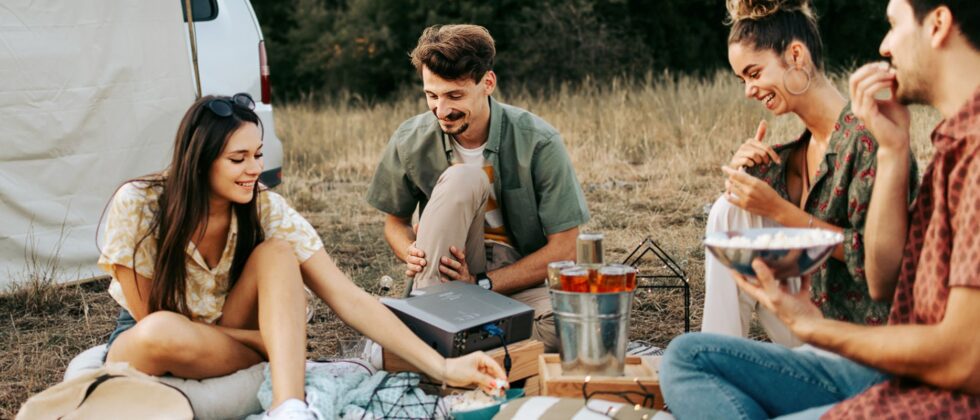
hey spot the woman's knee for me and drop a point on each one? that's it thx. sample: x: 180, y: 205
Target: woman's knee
x: 721, y: 214
x: 275, y: 248
x: 163, y: 335
x: 278, y: 255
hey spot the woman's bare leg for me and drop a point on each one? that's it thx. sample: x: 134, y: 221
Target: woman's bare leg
x: 269, y: 294
x: 167, y: 342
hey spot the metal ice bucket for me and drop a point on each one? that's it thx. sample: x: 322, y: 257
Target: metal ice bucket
x: 594, y: 331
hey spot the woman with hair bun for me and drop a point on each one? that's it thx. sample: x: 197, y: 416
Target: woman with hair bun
x: 822, y: 179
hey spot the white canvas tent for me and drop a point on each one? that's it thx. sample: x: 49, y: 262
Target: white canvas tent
x: 91, y: 93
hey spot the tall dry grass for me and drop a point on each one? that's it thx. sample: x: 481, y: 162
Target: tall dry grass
x: 647, y: 153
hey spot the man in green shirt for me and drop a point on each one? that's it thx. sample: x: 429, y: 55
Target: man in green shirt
x: 497, y: 197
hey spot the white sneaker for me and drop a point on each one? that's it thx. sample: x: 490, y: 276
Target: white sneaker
x: 373, y: 354
x: 290, y: 412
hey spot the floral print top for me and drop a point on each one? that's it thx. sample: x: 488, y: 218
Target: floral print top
x: 840, y: 194
x: 130, y: 215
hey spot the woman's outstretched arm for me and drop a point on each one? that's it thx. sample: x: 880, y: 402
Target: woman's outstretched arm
x: 366, y: 314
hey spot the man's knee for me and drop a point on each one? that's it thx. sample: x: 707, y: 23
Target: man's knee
x: 459, y: 178
x: 680, y: 354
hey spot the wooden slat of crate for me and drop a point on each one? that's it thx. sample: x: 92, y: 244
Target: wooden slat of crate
x: 532, y: 387
x: 523, y: 357
x: 645, y: 369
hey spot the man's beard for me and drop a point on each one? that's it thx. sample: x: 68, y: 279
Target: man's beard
x: 453, y: 117
x: 913, y: 85
x: 911, y: 93
x: 457, y: 131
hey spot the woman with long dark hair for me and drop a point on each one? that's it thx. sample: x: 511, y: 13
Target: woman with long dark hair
x: 822, y: 179
x: 210, y: 268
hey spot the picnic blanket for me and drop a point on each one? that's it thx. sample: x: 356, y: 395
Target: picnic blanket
x: 359, y: 393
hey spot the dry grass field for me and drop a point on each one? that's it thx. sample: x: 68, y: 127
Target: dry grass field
x: 648, y: 154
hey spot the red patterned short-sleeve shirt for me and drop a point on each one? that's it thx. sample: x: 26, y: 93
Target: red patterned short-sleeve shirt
x: 942, y: 251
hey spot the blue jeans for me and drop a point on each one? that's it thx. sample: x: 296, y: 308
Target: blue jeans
x: 714, y: 376
x: 124, y: 322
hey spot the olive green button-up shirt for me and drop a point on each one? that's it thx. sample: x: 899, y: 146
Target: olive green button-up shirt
x: 536, y: 186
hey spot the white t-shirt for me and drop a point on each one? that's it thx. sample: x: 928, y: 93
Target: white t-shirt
x: 494, y: 220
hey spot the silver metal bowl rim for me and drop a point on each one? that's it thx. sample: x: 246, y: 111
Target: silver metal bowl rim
x: 834, y: 239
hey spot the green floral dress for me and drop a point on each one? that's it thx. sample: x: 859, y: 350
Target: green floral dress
x: 840, y: 196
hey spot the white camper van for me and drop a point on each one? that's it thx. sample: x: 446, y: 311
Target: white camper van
x: 232, y: 59
x: 91, y: 93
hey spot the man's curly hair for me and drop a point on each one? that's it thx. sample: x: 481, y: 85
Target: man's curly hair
x: 455, y: 52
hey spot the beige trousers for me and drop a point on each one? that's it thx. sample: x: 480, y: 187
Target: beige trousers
x: 728, y: 310
x: 454, y: 217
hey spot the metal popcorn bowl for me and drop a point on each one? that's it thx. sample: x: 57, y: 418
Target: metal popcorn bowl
x: 786, y: 261
x: 487, y: 413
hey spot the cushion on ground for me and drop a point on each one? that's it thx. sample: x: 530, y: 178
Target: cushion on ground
x: 231, y: 396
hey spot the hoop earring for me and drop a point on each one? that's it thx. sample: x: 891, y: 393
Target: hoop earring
x: 805, y: 88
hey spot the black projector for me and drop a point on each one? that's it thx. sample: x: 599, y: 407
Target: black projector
x: 451, y: 317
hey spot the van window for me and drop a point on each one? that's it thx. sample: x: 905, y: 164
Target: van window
x: 203, y: 10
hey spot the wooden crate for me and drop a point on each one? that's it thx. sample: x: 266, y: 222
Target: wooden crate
x: 532, y: 387
x: 642, y: 369
x: 523, y: 357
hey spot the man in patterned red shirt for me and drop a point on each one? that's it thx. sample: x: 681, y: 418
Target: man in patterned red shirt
x: 926, y: 362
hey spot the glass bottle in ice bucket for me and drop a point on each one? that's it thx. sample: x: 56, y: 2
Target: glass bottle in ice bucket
x: 554, y: 273
x: 611, y: 279
x: 588, y: 254
x: 575, y: 279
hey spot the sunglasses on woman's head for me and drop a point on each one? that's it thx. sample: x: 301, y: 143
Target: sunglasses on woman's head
x: 223, y: 107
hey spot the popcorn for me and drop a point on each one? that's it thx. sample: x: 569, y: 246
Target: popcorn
x: 470, y: 400
x: 498, y: 388
x: 805, y: 238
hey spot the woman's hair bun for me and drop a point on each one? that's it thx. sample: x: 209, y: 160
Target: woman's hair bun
x: 759, y: 9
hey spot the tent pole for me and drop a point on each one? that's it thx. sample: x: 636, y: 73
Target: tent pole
x: 189, y: 13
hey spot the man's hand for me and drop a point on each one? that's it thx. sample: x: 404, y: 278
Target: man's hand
x: 415, y: 261
x: 887, y: 218
x: 415, y: 258
x: 888, y: 120
x: 794, y: 309
x: 456, y: 269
